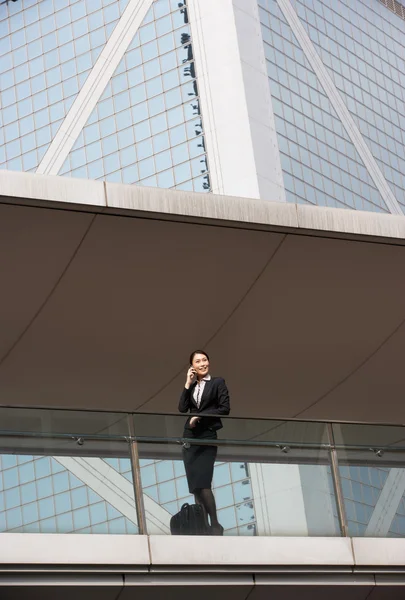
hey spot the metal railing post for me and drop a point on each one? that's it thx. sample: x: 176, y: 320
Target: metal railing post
x: 337, y: 484
x: 136, y: 476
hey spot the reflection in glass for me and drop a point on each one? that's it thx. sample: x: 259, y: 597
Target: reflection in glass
x: 252, y: 498
x: 56, y: 494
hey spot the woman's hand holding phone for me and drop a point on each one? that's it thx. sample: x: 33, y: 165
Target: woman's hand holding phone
x: 191, y: 377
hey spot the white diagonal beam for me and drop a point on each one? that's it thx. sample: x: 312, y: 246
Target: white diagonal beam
x: 387, y: 504
x: 340, y: 107
x: 115, y: 489
x: 94, y: 86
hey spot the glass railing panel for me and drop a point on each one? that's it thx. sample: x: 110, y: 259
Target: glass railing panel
x: 56, y: 422
x: 258, y: 490
x: 70, y: 471
x: 360, y: 436
x: 69, y: 488
x: 373, y: 487
x: 270, y: 477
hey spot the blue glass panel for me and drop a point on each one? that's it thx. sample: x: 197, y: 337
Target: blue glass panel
x: 46, y: 508
x: 30, y: 513
x: 171, y: 507
x: 81, y: 518
x: 28, y: 493
x: 61, y: 482
x: 12, y: 498
x: 221, y: 475
x: 10, y: 478
x: 26, y: 472
x: 146, y: 168
x: 180, y: 155
x: 127, y: 156
x: 44, y: 487
x: 111, y: 163
x: 96, y: 169
x: 117, y: 526
x: 64, y: 523
x: 148, y: 476
x: 14, y: 518
x: 98, y: 513
x: 164, y: 470
x: 227, y: 517
x: 167, y: 492
x: 126, y: 138
x: 62, y: 503
x: 152, y: 492
x: 224, y: 496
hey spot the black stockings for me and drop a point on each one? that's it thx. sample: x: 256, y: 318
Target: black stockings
x: 205, y: 497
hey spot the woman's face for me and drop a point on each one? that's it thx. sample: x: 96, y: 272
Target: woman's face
x: 201, y: 364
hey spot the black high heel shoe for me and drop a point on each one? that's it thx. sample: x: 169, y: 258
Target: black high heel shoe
x: 217, y: 530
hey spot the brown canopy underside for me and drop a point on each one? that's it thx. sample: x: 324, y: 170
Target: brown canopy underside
x: 102, y: 311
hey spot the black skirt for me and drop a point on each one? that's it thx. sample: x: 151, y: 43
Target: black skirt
x: 199, y: 460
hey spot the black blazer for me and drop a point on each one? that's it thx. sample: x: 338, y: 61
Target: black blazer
x: 214, y: 401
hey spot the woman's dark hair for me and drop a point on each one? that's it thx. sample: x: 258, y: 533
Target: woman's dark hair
x: 197, y: 352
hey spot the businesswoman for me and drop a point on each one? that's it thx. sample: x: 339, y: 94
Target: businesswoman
x: 206, y: 398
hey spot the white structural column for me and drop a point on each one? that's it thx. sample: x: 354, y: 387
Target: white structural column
x: 236, y: 106
x: 278, y: 499
x: 94, y: 86
x: 318, y: 500
x: 115, y: 489
x: 387, y: 504
x: 340, y: 107
x: 292, y: 500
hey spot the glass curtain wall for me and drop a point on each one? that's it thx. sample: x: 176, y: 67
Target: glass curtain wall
x: 47, y: 50
x: 147, y: 126
x: 319, y: 161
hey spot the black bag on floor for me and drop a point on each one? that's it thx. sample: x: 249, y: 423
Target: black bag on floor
x: 189, y: 520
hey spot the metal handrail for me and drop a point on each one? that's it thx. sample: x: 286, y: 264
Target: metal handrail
x: 124, y: 413
x: 77, y: 437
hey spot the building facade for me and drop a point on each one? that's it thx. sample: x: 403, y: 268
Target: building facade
x: 129, y: 92
x: 296, y: 101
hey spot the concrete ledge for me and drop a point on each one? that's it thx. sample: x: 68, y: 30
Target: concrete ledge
x: 385, y: 552
x: 74, y: 549
x: 47, y: 187
x: 207, y: 206
x: 129, y: 199
x: 203, y: 550
x: 350, y: 221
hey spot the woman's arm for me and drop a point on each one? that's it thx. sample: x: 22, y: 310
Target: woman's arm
x: 185, y: 400
x: 223, y: 404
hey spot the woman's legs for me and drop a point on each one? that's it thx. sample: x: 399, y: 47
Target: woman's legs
x: 199, y: 500
x: 205, y: 497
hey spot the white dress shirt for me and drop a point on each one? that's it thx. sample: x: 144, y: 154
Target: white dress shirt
x: 199, y: 389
